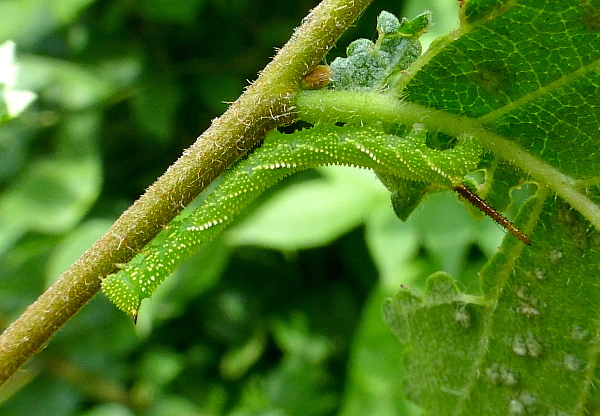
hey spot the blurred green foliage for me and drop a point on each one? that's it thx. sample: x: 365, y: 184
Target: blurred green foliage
x: 281, y: 315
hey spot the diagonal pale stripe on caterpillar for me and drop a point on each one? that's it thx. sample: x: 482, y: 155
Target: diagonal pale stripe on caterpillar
x: 281, y: 155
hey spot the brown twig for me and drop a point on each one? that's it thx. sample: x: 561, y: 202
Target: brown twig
x: 264, y: 105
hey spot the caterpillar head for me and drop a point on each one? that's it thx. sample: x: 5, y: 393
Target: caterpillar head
x: 123, y: 294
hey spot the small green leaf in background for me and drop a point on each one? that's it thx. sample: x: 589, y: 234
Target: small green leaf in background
x: 370, y: 66
x: 343, y: 197
x: 54, y: 193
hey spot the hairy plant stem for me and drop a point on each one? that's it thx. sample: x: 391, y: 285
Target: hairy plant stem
x: 264, y: 105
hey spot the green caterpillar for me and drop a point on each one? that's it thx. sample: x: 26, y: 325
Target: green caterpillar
x: 391, y: 156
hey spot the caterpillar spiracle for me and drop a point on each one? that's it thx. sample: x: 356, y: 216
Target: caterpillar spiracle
x: 407, y: 157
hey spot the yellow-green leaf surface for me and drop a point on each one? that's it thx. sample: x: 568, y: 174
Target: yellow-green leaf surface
x: 525, y: 72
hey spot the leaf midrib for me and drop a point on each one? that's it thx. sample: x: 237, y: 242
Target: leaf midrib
x: 366, y: 108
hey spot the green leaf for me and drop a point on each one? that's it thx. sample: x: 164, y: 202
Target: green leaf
x: 406, y: 194
x: 375, y: 368
x: 447, y: 325
x: 526, y: 73
x: 74, y: 86
x: 53, y: 194
x: 30, y: 20
x: 530, y: 75
x: 528, y: 343
x: 370, y: 66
